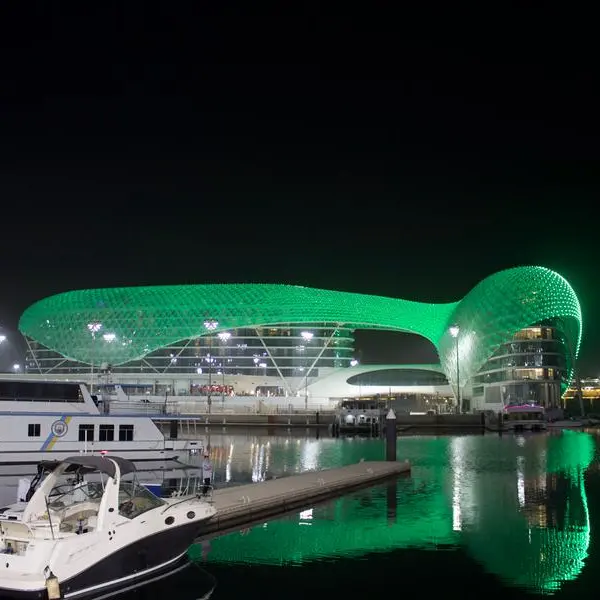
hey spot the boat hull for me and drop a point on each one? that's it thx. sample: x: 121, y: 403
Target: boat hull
x: 140, y: 562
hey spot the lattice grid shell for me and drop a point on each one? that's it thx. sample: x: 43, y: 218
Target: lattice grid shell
x: 132, y: 322
x: 499, y: 306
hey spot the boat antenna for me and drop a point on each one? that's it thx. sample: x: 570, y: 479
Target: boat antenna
x: 49, y: 517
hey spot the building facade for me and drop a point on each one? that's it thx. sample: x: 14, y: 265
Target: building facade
x: 514, y: 337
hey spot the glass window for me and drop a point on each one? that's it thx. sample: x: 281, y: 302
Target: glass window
x: 33, y: 430
x: 40, y: 392
x: 126, y: 433
x: 106, y: 433
x: 135, y: 499
x: 86, y: 433
x: 390, y: 377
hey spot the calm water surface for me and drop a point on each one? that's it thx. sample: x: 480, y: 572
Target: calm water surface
x: 510, y: 516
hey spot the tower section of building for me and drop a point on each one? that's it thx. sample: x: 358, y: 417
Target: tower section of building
x: 514, y: 338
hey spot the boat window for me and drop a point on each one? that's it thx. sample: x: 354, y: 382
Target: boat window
x: 34, y: 430
x: 106, y: 433
x: 86, y: 433
x: 68, y: 494
x: 126, y: 433
x: 74, y: 508
x: 135, y: 499
x: 37, y: 391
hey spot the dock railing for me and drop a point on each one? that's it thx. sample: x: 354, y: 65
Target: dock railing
x: 201, y: 407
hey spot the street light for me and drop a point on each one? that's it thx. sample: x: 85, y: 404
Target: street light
x: 94, y: 327
x: 224, y: 337
x: 454, y: 331
x: 2, y: 339
x: 210, y: 325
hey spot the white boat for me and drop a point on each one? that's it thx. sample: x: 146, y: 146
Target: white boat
x: 524, y: 417
x: 91, y: 528
x: 56, y: 419
x: 171, y: 479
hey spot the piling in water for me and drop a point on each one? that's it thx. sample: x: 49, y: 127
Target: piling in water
x: 390, y: 436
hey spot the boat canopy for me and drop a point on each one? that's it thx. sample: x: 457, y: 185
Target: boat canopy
x: 104, y: 464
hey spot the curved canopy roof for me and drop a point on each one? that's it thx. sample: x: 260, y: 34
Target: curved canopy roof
x: 118, y: 325
x: 104, y: 464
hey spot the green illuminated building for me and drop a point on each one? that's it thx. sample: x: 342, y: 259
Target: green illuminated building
x: 516, y: 328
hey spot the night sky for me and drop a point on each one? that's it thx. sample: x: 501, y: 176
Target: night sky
x: 374, y: 152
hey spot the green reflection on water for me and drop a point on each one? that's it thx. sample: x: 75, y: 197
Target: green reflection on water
x: 517, y: 505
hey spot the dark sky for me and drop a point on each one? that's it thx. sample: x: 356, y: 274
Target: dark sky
x: 374, y: 152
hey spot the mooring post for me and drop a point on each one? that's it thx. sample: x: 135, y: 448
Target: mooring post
x: 390, y: 436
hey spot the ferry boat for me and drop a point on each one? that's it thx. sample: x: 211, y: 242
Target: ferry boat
x: 42, y: 420
x: 524, y: 417
x: 90, y: 528
x: 357, y: 416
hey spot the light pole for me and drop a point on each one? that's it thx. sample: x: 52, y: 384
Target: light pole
x: 210, y: 325
x: 454, y: 331
x: 224, y: 337
x: 307, y: 336
x: 94, y: 327
x: 2, y: 340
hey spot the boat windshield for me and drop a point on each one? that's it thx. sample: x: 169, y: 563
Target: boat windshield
x: 75, y: 507
x: 67, y: 494
x: 135, y: 499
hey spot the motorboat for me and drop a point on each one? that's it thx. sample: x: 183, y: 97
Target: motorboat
x: 524, y: 417
x: 90, y: 527
x: 162, y: 478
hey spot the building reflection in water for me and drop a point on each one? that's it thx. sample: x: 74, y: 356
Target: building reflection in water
x: 242, y: 459
x: 532, y: 525
x: 518, y: 506
x: 457, y: 466
x: 228, y: 464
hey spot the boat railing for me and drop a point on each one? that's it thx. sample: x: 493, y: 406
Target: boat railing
x: 201, y: 490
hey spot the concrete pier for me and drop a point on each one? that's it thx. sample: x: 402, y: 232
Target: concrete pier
x: 241, y: 506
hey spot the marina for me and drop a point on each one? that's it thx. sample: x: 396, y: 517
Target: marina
x: 299, y: 303
x: 61, y: 521
x: 275, y: 501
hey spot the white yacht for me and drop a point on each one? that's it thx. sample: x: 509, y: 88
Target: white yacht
x: 91, y: 528
x: 524, y: 417
x: 42, y: 420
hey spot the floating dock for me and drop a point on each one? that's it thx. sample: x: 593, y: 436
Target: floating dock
x: 244, y: 505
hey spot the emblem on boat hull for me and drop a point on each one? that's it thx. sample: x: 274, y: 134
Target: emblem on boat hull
x: 59, y: 428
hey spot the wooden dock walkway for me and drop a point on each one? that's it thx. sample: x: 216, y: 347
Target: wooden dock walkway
x: 240, y: 506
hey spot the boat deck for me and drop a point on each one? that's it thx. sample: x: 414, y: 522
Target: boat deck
x: 240, y: 506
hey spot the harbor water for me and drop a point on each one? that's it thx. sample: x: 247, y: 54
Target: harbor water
x: 480, y: 515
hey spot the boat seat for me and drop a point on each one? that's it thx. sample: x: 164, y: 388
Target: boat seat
x: 83, y: 510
